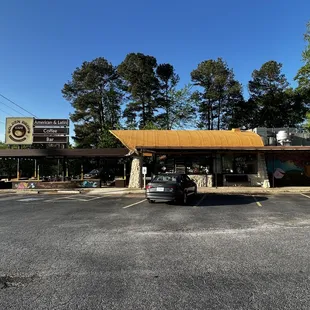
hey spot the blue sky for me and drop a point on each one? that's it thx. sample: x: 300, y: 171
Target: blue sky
x: 42, y: 41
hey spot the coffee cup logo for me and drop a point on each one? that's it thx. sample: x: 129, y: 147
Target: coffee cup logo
x: 19, y: 131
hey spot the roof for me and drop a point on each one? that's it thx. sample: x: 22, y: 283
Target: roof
x: 133, y: 139
x: 70, y: 153
x: 204, y: 150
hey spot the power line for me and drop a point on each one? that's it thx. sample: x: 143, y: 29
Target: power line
x: 6, y: 113
x: 17, y: 105
x: 12, y: 108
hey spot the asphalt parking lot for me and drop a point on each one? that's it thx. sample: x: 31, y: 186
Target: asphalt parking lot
x: 111, y: 252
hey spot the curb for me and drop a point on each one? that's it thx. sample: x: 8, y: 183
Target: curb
x: 43, y: 191
x: 60, y: 192
x: 219, y: 191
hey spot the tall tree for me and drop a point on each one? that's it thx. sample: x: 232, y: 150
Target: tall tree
x: 303, y: 75
x: 218, y: 91
x: 238, y: 113
x: 277, y: 104
x: 168, y: 80
x: 96, y: 96
x: 182, y: 110
x: 138, y: 71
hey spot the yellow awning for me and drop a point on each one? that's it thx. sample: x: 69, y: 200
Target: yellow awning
x: 187, y: 138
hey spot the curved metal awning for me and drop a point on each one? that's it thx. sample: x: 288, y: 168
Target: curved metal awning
x: 184, y: 139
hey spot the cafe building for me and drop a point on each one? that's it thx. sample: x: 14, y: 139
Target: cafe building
x: 211, y: 158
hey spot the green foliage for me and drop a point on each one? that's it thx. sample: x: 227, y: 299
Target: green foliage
x: 274, y: 103
x: 306, y: 125
x: 95, y: 92
x: 3, y: 146
x: 168, y: 80
x: 151, y: 126
x: 239, y: 113
x: 303, y: 74
x: 219, y: 92
x: 138, y: 72
x: 181, y: 113
x: 268, y: 80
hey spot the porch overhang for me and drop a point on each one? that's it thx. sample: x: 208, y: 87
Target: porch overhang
x: 200, y: 150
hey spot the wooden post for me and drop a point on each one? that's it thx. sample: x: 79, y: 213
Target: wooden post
x: 215, y: 170
x: 38, y: 173
x: 17, y: 169
x: 273, y: 159
x: 35, y: 169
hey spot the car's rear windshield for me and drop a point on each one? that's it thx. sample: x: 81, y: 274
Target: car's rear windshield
x: 166, y: 178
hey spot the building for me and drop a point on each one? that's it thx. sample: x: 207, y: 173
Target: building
x: 211, y: 158
x: 260, y: 157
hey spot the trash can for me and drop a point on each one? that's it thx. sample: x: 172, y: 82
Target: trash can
x: 120, y: 182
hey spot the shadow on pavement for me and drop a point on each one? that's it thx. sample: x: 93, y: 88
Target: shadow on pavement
x: 226, y: 200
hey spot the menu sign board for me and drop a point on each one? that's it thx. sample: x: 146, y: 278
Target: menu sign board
x: 52, y: 140
x: 51, y: 122
x: 50, y: 131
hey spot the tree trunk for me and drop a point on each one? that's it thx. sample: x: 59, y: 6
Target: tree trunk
x: 209, y: 114
x: 219, y: 115
x: 211, y: 117
x: 167, y: 108
x: 143, y: 113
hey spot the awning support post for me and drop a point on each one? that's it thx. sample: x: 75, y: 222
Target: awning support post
x: 215, y: 169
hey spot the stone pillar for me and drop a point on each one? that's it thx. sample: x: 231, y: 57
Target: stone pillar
x: 262, y: 173
x: 202, y: 180
x: 209, y: 180
x: 135, y: 180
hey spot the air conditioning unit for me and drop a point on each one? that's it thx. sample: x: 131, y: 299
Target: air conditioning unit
x: 283, y: 138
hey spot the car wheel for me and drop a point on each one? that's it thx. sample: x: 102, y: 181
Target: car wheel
x: 184, y: 198
x: 151, y: 201
x: 195, y: 192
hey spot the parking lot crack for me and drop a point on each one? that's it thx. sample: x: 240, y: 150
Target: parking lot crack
x: 15, y: 281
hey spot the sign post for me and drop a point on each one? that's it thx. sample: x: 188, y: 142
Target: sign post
x: 144, y: 172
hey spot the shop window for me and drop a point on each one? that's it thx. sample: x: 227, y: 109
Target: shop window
x: 240, y: 163
x: 179, y: 165
x: 228, y: 163
x: 165, y: 164
x: 199, y: 165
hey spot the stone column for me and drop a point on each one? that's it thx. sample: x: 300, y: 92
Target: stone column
x: 262, y: 173
x: 135, y: 180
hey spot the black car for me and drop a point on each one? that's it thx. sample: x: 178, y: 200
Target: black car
x: 170, y: 187
x: 94, y: 174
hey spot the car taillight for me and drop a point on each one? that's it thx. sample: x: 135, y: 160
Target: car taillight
x: 148, y: 187
x: 171, y: 188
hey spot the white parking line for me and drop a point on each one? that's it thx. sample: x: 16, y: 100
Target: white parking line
x: 78, y: 198
x: 305, y: 195
x: 257, y: 202
x: 29, y: 199
x: 200, y: 201
x: 94, y: 198
x: 133, y: 204
x: 59, y: 198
